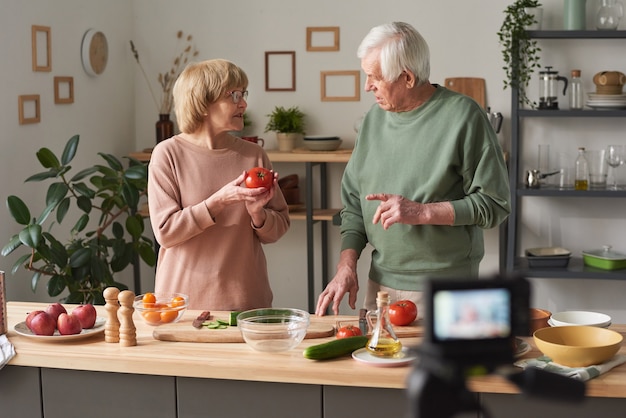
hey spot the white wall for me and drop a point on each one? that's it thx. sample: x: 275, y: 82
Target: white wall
x: 102, y: 112
x: 463, y: 42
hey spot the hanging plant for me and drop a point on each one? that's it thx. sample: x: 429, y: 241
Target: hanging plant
x: 520, y: 52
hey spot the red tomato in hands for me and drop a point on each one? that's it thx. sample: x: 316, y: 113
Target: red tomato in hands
x: 259, y: 177
x: 402, y: 312
x: 348, y: 331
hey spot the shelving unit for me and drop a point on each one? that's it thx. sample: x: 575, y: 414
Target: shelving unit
x: 510, y: 261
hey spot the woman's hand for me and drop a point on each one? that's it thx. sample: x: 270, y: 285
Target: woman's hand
x: 256, y: 206
x: 234, y: 192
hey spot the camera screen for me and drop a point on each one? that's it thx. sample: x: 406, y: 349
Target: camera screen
x: 471, y: 314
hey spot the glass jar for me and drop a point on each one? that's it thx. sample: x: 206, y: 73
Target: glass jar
x: 609, y: 14
x: 576, y: 101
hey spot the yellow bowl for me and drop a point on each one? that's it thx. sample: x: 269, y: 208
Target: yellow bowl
x: 578, y: 346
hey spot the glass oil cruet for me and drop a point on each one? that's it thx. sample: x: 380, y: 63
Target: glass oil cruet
x: 383, y: 342
x: 609, y: 14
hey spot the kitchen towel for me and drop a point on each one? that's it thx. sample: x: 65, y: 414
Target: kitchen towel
x: 579, y: 373
x: 7, y: 350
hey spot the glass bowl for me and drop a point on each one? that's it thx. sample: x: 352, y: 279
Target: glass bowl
x: 273, y: 329
x: 157, y: 309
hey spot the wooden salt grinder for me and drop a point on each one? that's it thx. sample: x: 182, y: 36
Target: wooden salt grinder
x: 112, y: 326
x: 128, y: 332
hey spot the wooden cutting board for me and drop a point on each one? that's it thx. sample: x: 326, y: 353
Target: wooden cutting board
x: 470, y: 86
x: 413, y: 330
x: 185, y: 332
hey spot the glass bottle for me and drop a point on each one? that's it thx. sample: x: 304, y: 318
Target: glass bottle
x: 383, y: 342
x: 581, y: 180
x: 576, y: 91
x: 609, y: 14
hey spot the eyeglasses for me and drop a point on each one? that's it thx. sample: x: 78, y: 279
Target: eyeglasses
x: 237, y: 95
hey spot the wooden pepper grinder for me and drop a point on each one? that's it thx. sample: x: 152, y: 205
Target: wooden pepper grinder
x: 112, y: 326
x: 128, y: 332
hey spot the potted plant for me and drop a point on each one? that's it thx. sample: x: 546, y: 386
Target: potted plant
x: 84, y: 263
x: 520, y: 52
x: 288, y: 125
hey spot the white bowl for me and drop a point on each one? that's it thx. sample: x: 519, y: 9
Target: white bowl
x: 568, y: 318
x: 322, y: 144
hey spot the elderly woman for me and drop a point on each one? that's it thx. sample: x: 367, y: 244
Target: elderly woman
x: 211, y: 227
x: 426, y: 176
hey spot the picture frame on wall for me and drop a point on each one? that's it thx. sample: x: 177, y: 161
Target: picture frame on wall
x: 63, y: 90
x: 340, y: 86
x: 29, y: 109
x: 41, y: 48
x: 322, y: 38
x: 280, y: 71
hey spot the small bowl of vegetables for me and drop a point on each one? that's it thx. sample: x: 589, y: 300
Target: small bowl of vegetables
x: 157, y: 309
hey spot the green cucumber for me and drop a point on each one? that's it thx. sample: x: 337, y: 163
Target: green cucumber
x: 232, y: 319
x: 335, y: 348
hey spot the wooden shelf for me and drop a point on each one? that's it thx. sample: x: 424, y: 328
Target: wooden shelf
x: 299, y: 155
x: 318, y: 214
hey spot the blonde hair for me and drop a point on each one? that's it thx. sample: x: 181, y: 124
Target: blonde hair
x: 201, y: 84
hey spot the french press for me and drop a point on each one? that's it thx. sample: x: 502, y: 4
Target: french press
x: 548, y: 88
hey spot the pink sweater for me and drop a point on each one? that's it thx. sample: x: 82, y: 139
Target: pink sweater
x: 219, y: 263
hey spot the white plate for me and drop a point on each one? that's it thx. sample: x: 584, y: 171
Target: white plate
x: 401, y: 359
x: 552, y: 324
x: 597, y: 96
x: 22, y: 329
x: 606, y: 106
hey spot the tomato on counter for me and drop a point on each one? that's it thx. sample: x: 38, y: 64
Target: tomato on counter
x: 348, y: 331
x: 402, y: 312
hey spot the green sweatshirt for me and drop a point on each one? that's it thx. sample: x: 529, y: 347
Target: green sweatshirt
x: 445, y: 150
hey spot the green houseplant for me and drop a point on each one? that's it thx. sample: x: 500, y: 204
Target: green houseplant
x: 85, y: 263
x: 288, y: 123
x: 520, y: 52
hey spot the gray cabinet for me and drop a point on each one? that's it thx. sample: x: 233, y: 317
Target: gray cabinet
x: 20, y: 394
x: 80, y: 394
x: 213, y: 398
x: 519, y: 406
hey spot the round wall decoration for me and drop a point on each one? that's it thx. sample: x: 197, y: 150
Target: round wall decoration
x: 94, y: 52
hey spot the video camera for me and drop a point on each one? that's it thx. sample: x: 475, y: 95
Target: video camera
x: 470, y: 328
x: 474, y: 322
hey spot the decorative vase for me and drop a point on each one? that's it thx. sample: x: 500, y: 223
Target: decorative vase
x: 164, y: 127
x: 574, y: 12
x: 609, y: 15
x: 287, y: 141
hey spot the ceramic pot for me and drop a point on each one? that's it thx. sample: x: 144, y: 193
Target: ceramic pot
x: 287, y: 141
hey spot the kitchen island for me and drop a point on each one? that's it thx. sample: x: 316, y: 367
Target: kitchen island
x: 89, y: 377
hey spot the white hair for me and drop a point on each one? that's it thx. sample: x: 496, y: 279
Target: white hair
x: 401, y: 48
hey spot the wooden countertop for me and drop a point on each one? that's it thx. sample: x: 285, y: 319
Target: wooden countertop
x: 238, y: 361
